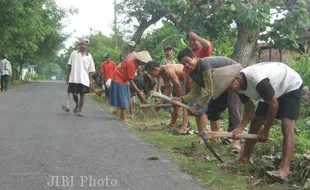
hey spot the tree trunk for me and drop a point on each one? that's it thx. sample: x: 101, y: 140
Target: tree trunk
x: 145, y: 24
x: 245, y: 45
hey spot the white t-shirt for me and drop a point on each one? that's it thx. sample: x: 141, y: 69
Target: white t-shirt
x: 5, y: 67
x: 282, y: 78
x: 81, y: 66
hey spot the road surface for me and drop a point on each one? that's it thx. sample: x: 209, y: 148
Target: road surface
x: 41, y: 147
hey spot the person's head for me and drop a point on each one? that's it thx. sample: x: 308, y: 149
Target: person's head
x: 236, y: 84
x: 193, y: 43
x: 152, y: 68
x: 187, y: 58
x: 5, y: 56
x: 107, y: 57
x: 142, y: 57
x: 168, y: 50
x: 227, y: 78
x: 83, y: 44
x: 132, y: 46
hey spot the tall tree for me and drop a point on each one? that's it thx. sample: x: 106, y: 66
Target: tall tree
x: 30, y: 29
x: 244, y: 20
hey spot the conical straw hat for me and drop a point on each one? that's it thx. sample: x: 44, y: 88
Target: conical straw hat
x: 143, y: 56
x: 222, y: 77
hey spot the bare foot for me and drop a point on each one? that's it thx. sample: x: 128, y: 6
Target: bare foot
x: 215, y: 140
x: 279, y: 176
x: 199, y: 139
x: 75, y: 109
x: 80, y: 114
x: 124, y: 120
x: 183, y: 130
x: 115, y: 112
x: 66, y: 109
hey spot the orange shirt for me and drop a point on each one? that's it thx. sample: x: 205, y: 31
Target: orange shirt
x: 125, y: 72
x: 107, y: 69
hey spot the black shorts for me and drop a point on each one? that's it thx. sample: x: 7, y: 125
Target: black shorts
x: 224, y: 101
x: 75, y: 88
x: 289, y: 105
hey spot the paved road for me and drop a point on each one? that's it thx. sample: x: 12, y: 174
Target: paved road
x: 38, y: 141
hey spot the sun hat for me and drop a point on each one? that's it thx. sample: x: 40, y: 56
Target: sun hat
x: 132, y: 44
x: 143, y: 56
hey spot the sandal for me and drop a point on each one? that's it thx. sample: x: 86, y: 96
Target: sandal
x: 235, y: 146
x: 79, y: 114
x: 183, y: 131
x: 64, y: 108
x: 276, y: 176
x: 229, y: 164
x: 75, y: 109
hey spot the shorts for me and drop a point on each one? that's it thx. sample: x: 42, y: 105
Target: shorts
x: 202, y: 110
x: 289, y: 105
x: 167, y: 108
x: 218, y: 106
x: 76, y: 88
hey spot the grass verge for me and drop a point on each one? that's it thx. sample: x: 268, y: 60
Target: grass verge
x: 199, y: 162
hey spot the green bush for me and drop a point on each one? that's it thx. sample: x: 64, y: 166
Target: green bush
x: 30, y: 76
x: 301, y: 64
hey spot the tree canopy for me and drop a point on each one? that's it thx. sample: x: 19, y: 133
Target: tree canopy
x: 30, y: 30
x: 239, y: 22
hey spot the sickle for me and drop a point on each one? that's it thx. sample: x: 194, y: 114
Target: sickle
x: 205, y: 139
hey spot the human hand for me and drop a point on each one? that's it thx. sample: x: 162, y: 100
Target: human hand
x: 160, y: 101
x: 194, y: 109
x: 263, y: 136
x: 176, y: 99
x: 237, y: 132
x: 141, y: 97
x: 192, y: 35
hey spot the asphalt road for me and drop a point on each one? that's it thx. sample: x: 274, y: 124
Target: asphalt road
x: 41, y: 147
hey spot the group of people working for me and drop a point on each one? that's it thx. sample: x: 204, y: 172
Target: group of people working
x: 209, y: 85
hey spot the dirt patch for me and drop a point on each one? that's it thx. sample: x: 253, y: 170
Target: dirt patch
x: 148, y: 128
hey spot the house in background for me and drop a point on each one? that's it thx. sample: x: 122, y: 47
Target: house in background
x: 268, y: 52
x: 30, y: 69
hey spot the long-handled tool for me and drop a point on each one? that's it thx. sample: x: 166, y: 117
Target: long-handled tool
x: 157, y: 94
x: 212, y: 134
x: 205, y: 139
x: 153, y: 105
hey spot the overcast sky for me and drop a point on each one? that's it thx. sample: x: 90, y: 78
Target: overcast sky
x: 95, y: 14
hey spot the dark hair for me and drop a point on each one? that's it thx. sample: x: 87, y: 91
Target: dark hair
x: 151, y: 65
x: 185, y: 52
x: 194, y: 31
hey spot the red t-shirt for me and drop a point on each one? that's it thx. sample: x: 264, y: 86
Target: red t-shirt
x: 125, y: 72
x: 107, y: 69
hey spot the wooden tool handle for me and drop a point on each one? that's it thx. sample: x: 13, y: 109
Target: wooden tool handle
x: 212, y: 134
x: 152, y: 105
x: 157, y: 94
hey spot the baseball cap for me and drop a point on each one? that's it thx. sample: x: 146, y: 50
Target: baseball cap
x: 168, y: 47
x: 132, y: 44
x: 107, y: 55
x: 84, y: 41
